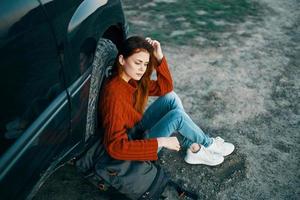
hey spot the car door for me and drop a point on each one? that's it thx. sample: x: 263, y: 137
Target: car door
x: 35, y: 111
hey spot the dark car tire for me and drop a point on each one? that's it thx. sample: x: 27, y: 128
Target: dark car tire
x: 104, y: 58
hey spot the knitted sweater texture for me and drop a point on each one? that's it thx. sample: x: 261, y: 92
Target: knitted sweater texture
x: 117, y: 114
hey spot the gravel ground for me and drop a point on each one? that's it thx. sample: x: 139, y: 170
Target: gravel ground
x: 240, y: 83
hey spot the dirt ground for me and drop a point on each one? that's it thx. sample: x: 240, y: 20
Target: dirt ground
x: 238, y: 79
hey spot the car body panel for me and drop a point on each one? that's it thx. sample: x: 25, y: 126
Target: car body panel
x: 42, y: 77
x: 41, y: 144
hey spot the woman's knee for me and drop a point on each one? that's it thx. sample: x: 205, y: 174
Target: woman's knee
x: 174, y: 98
x: 171, y: 95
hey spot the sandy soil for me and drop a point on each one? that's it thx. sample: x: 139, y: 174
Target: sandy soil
x: 245, y: 88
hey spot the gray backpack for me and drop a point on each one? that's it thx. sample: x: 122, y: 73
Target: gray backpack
x: 134, y: 179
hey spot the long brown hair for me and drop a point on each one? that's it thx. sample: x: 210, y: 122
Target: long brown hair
x: 131, y: 45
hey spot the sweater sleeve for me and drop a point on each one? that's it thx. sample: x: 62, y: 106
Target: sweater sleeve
x: 164, y: 82
x: 116, y: 141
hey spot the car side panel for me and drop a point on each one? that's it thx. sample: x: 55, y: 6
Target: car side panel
x: 33, y: 96
x: 37, y: 149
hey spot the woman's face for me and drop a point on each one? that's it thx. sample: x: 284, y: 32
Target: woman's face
x: 135, y: 65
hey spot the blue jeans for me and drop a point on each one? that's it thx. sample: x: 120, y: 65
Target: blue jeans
x: 166, y: 115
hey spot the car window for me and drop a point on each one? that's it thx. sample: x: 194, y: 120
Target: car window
x: 31, y: 74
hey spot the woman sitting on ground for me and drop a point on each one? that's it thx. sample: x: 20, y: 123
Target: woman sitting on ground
x: 123, y: 101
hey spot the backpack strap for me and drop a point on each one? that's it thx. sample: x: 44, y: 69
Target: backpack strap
x: 182, y: 192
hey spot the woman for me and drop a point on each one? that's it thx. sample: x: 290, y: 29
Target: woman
x: 122, y: 105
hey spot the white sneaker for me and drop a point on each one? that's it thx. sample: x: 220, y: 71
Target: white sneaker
x: 203, y: 157
x: 220, y: 147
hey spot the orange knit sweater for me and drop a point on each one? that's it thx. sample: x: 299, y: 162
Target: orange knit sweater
x: 117, y: 113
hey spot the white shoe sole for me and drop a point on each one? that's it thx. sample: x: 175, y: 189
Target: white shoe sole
x: 202, y: 162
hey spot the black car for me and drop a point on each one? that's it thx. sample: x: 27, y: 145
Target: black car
x: 46, y: 52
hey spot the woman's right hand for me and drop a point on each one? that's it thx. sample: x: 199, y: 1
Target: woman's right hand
x: 171, y: 143
x: 157, y: 49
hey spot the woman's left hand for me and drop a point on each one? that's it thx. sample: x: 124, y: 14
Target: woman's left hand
x: 157, y: 48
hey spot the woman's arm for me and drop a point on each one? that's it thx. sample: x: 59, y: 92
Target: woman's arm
x: 116, y: 140
x: 157, y: 49
x: 164, y: 82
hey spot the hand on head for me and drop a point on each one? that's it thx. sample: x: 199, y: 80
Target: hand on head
x: 157, y: 48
